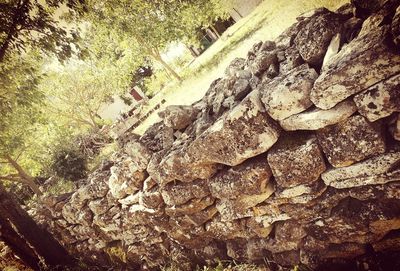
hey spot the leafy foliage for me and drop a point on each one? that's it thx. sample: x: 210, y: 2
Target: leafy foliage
x: 70, y: 164
x: 32, y: 23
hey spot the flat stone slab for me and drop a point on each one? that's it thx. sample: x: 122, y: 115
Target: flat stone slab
x: 351, y: 141
x: 316, y: 118
x: 380, y: 100
x: 377, y: 170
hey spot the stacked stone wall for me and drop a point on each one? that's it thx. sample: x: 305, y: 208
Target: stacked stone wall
x: 293, y: 156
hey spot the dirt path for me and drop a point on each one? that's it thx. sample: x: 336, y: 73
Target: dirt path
x: 269, y: 20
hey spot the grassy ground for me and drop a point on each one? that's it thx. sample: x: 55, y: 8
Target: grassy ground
x: 266, y: 22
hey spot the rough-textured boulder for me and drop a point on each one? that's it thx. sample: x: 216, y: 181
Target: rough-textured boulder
x: 179, y: 116
x: 295, y: 161
x: 262, y: 61
x: 289, y: 95
x: 313, y: 40
x: 248, y: 178
x: 350, y: 141
x: 243, y: 133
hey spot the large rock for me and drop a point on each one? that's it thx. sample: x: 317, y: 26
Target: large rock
x: 179, y: 116
x: 313, y: 39
x: 249, y: 178
x: 244, y: 132
x: 351, y: 141
x: 377, y: 170
x: 179, y: 193
x: 316, y: 118
x: 346, y: 73
x: 231, y: 209
x: 262, y: 61
x: 296, y: 160
x: 380, y: 100
x: 125, y: 179
x: 289, y: 95
x: 179, y: 165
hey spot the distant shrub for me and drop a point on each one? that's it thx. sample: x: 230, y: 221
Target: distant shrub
x: 69, y: 163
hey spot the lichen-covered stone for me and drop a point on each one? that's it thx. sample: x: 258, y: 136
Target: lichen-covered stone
x: 292, y: 59
x: 296, y: 161
x: 236, y: 65
x: 346, y: 74
x: 158, y: 137
x: 351, y: 141
x: 121, y: 183
x: 248, y: 178
x: 243, y: 133
x: 377, y: 170
x: 313, y: 39
x: 231, y: 209
x: 380, y: 100
x: 179, y: 116
x: 262, y: 61
x: 289, y: 95
x: 316, y: 118
x: 179, y: 193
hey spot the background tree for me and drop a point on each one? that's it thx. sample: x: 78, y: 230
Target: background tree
x: 20, y: 102
x: 150, y: 26
x: 27, y: 23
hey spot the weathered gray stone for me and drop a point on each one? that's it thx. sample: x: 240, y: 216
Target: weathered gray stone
x: 346, y: 74
x: 236, y: 65
x: 139, y: 154
x: 377, y: 170
x: 351, y: 141
x: 332, y: 50
x: 292, y: 59
x: 226, y: 230
x: 296, y: 160
x: 178, y: 165
x: 316, y: 118
x: 249, y: 178
x: 396, y: 131
x: 177, y: 193
x: 191, y: 207
x: 150, y: 199
x: 179, y: 116
x: 122, y: 182
x: 244, y: 132
x: 268, y: 46
x: 313, y: 39
x: 380, y: 100
x: 240, y: 89
x: 231, y: 209
x: 289, y: 95
x: 158, y: 137
x: 262, y: 61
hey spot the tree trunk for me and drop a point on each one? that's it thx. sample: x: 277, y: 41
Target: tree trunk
x: 215, y: 31
x: 39, y: 239
x: 17, y: 244
x: 27, y: 179
x: 168, y: 67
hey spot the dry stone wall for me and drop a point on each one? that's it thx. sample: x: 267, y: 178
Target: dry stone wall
x: 293, y: 156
